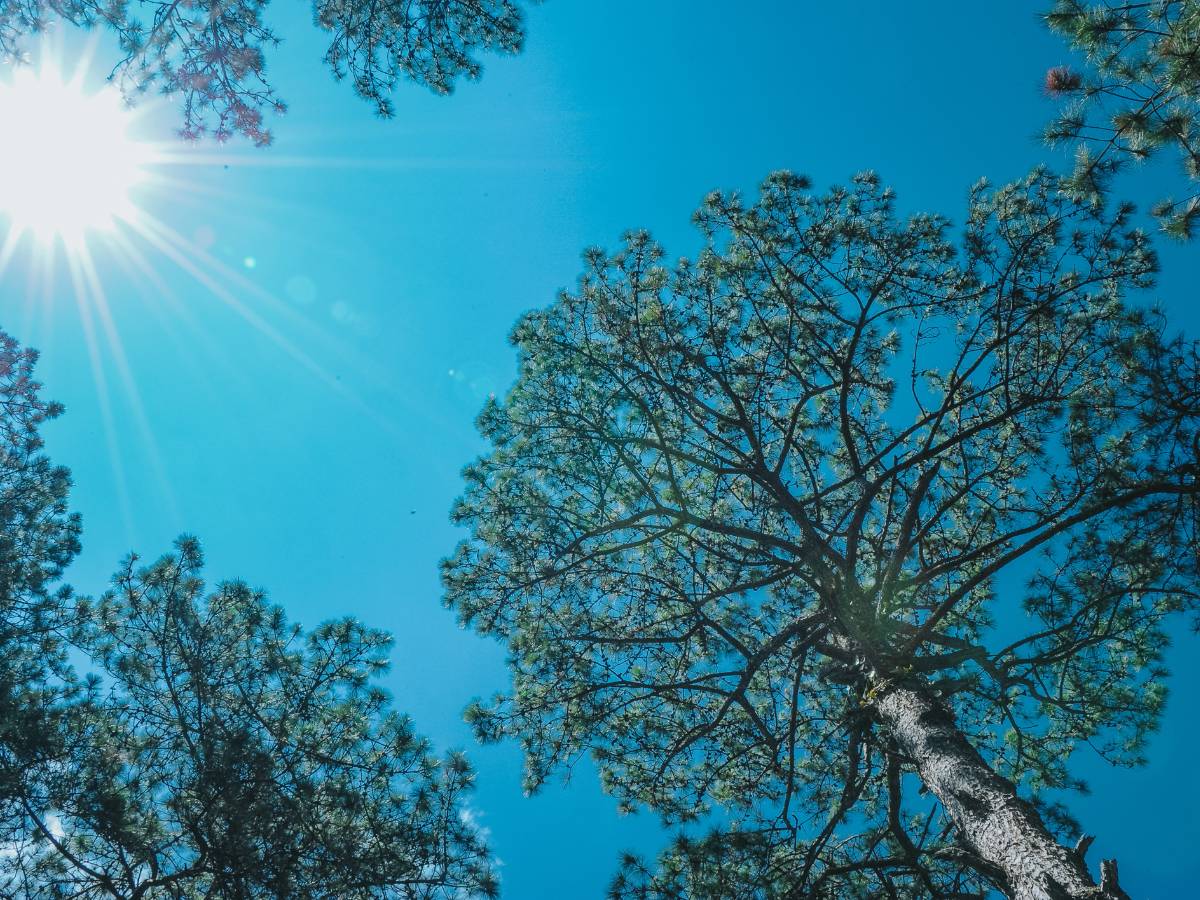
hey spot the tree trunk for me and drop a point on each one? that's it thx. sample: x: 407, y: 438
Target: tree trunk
x: 1002, y: 829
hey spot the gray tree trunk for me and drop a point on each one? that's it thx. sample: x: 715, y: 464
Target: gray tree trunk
x: 999, y: 827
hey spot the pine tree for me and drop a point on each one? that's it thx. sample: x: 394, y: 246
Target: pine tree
x: 225, y: 753
x: 213, y: 54
x: 847, y: 530
x: 39, y: 537
x: 213, y: 749
x: 1137, y: 95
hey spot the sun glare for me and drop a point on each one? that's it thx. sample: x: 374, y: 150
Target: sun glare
x: 73, y: 169
x: 67, y: 161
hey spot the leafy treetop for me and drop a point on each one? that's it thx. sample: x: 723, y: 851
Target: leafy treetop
x: 219, y: 751
x: 732, y: 502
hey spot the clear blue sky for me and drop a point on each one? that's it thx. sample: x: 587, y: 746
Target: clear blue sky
x: 310, y: 426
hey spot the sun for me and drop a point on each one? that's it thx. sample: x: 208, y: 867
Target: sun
x: 67, y: 160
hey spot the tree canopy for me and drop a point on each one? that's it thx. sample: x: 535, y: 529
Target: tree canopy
x: 211, y: 749
x: 759, y: 529
x: 1138, y: 94
x: 212, y: 54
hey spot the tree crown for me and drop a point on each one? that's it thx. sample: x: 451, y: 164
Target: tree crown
x: 220, y: 751
x: 728, y: 501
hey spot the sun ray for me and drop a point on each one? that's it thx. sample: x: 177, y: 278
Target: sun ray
x: 40, y: 287
x: 103, y: 399
x: 133, y: 396
x: 152, y: 285
x: 385, y: 163
x: 10, y: 246
x: 11, y: 240
x: 180, y: 251
x: 165, y: 242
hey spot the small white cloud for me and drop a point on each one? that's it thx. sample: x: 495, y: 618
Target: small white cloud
x: 473, y: 818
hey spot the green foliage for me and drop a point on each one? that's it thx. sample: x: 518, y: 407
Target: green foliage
x: 38, y: 538
x: 213, y: 54
x: 729, y: 500
x: 757, y: 865
x: 719, y: 866
x: 213, y: 749
x: 222, y: 752
x: 1139, y: 94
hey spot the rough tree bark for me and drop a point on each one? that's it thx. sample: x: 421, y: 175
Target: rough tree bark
x: 1004, y: 831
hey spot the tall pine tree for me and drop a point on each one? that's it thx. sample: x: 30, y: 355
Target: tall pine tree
x: 849, y: 530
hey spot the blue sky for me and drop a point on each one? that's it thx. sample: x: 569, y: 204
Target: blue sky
x: 307, y: 417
